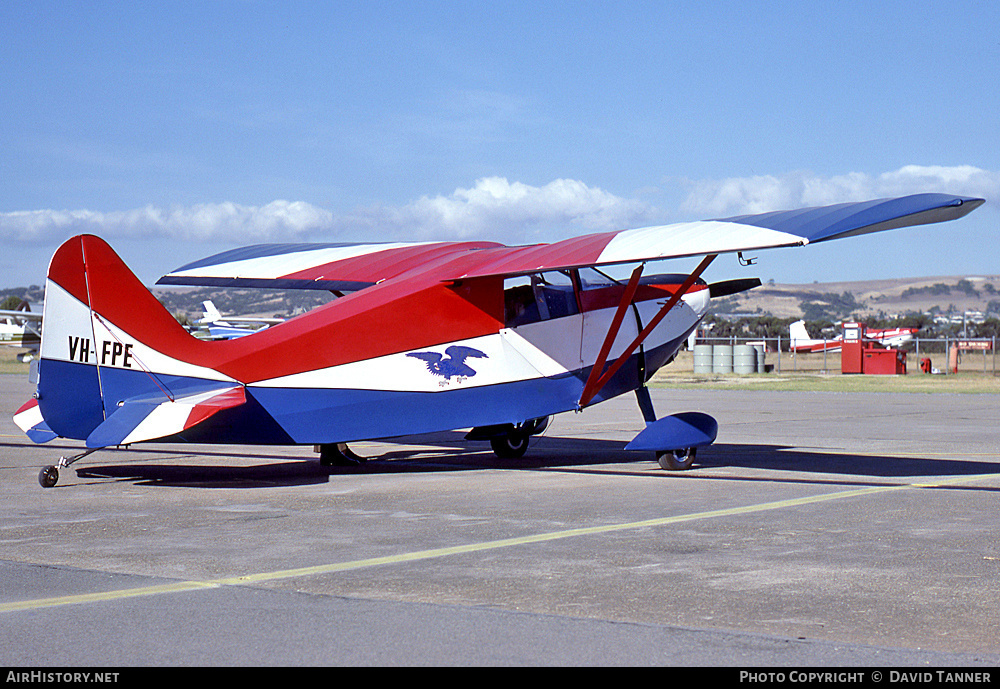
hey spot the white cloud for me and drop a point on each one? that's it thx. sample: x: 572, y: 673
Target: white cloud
x: 291, y: 220
x: 737, y: 196
x: 493, y: 208
x: 510, y: 212
x: 964, y: 180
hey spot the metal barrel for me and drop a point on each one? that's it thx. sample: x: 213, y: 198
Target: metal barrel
x: 703, y: 358
x: 744, y: 359
x: 761, y: 358
x: 722, y: 359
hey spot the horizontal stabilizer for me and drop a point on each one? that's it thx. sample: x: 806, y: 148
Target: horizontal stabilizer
x: 677, y: 432
x: 29, y: 419
x: 138, y: 420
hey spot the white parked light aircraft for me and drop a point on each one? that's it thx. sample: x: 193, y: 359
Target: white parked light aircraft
x: 889, y: 337
x: 22, y: 328
x: 214, y: 326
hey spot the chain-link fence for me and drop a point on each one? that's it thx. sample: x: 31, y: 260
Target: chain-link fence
x: 774, y: 355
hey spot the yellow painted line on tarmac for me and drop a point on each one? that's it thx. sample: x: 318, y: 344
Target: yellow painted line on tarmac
x: 104, y: 596
x: 401, y: 558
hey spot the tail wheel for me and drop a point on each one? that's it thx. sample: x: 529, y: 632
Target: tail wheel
x: 677, y: 460
x: 510, y: 446
x: 48, y: 476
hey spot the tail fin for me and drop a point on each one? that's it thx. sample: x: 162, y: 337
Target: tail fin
x: 798, y: 333
x: 211, y: 314
x: 107, y: 345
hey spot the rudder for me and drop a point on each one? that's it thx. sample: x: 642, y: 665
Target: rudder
x: 100, y: 325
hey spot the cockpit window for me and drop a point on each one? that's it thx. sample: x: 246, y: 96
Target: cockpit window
x: 539, y: 297
x: 592, y: 278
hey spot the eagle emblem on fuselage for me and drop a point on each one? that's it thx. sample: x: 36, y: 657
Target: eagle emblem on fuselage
x: 451, y: 363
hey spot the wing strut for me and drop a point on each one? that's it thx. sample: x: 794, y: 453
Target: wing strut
x: 595, y: 382
x: 616, y: 323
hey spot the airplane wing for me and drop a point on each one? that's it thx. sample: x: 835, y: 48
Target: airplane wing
x: 31, y: 316
x: 22, y: 315
x: 334, y: 267
x: 730, y: 235
x: 348, y: 267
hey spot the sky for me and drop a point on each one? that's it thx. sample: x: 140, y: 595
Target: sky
x: 178, y: 129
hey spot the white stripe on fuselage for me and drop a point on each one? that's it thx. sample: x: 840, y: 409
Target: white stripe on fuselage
x: 537, y: 350
x: 498, y: 358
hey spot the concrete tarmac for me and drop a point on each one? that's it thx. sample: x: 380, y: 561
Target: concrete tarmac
x: 820, y: 530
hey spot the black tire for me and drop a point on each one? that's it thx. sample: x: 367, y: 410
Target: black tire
x: 677, y: 460
x: 48, y: 476
x: 510, y: 446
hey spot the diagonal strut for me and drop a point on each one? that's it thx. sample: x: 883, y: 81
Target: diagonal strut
x: 593, y: 386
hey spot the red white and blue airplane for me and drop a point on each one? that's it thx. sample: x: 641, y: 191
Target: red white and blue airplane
x: 423, y: 337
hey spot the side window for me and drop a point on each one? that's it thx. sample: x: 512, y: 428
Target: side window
x: 538, y: 297
x: 591, y: 278
x: 519, y: 302
x: 598, y: 290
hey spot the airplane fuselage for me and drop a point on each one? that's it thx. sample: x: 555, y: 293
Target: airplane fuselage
x: 411, y: 356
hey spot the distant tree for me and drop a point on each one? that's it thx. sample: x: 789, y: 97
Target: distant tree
x: 818, y: 311
x: 913, y: 320
x: 10, y: 302
x: 967, y: 287
x: 988, y: 328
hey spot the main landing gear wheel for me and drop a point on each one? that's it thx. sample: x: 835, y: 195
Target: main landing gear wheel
x: 48, y: 476
x: 677, y: 460
x: 513, y: 445
x: 510, y: 441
